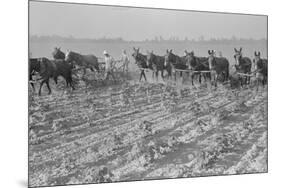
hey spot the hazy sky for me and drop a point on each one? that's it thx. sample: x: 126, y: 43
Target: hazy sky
x: 92, y: 21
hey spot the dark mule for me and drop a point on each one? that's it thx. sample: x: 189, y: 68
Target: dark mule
x: 260, y: 69
x: 58, y: 54
x: 83, y: 61
x: 219, y: 65
x: 54, y: 69
x: 156, y: 63
x: 34, y: 67
x: 242, y: 65
x: 198, y: 64
x: 141, y: 61
x: 173, y: 61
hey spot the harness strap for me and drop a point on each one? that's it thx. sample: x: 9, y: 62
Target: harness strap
x: 198, y: 62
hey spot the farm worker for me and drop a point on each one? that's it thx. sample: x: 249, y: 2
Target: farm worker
x: 108, y: 65
x: 125, y: 60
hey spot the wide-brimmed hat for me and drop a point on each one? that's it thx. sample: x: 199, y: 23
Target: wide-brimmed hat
x: 105, y: 52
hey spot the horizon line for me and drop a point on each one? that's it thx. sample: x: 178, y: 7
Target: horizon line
x: 155, y: 38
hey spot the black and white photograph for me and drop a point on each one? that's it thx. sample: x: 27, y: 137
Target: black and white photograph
x: 124, y: 93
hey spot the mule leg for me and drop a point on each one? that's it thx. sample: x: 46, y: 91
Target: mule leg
x: 41, y: 84
x: 227, y: 74
x: 264, y: 81
x: 170, y: 70
x: 48, y: 86
x: 66, y: 78
x: 205, y: 78
x: 69, y: 81
x: 224, y: 76
x: 30, y: 79
x: 182, y: 78
x: 257, y: 84
x: 247, y: 80
x: 216, y: 80
x: 169, y: 74
x: 162, y: 74
x: 241, y: 81
x: 209, y: 76
x: 32, y: 85
x: 192, y: 77
x: 156, y: 72
x: 71, y: 84
x: 200, y: 77
x: 140, y: 75
x: 144, y: 76
x: 56, y: 80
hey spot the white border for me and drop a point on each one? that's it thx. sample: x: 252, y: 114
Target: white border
x: 13, y: 77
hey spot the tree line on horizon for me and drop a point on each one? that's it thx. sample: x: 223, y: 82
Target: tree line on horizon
x: 156, y: 39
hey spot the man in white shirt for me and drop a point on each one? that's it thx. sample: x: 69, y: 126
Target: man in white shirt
x: 125, y: 60
x: 108, y: 65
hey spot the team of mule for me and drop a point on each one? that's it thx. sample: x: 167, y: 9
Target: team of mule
x: 211, y: 67
x: 50, y: 69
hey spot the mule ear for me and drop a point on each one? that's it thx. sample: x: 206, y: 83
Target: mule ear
x: 171, y: 51
x: 167, y: 51
x: 235, y: 50
x: 240, y: 49
x: 255, y: 53
x: 134, y: 48
x: 209, y: 52
x: 259, y: 53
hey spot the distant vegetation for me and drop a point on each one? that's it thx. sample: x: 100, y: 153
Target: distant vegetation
x: 157, y: 39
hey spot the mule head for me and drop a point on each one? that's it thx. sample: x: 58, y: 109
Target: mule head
x: 257, y: 57
x: 211, y: 59
x: 190, y: 58
x: 149, y: 58
x: 237, y: 55
x: 43, y: 63
x: 68, y: 56
x: 58, y: 54
x: 135, y: 54
x: 257, y: 60
x: 169, y: 57
x: 56, y: 49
